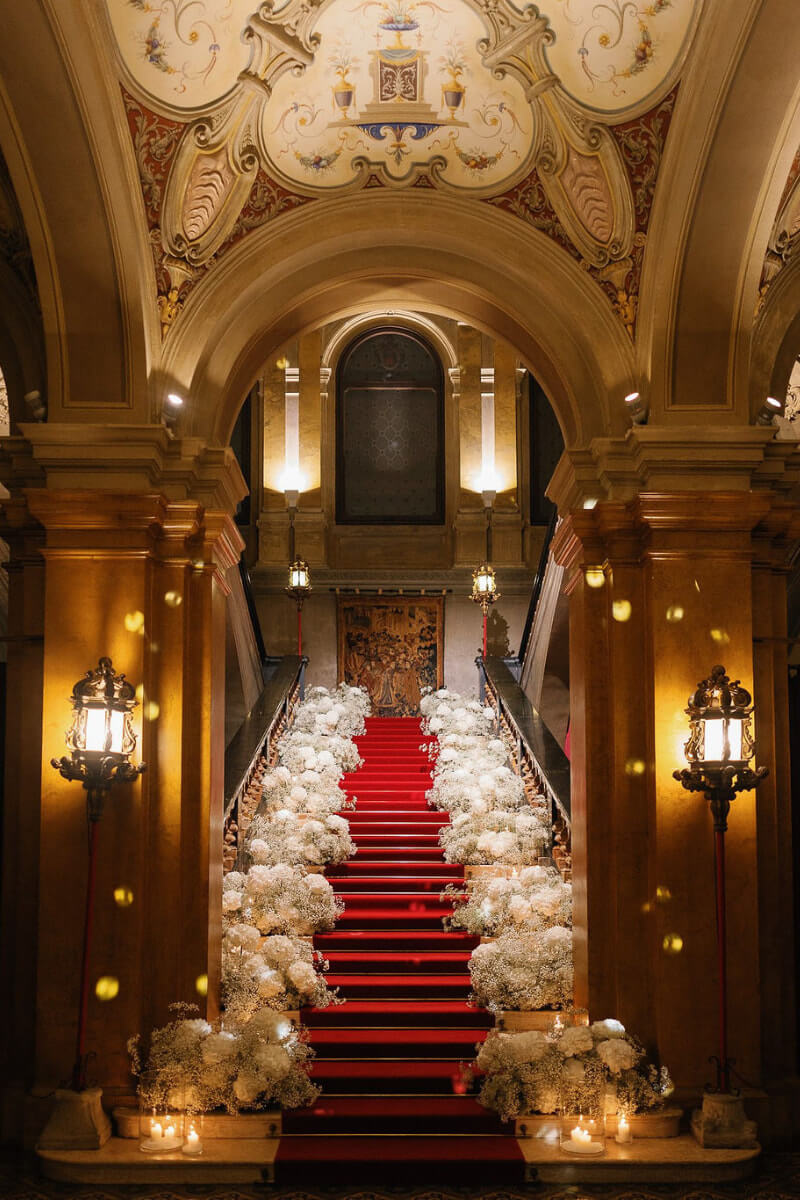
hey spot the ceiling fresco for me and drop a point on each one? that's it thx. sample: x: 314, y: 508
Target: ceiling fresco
x: 535, y: 109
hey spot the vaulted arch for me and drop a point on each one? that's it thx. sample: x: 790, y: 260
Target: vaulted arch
x: 317, y: 264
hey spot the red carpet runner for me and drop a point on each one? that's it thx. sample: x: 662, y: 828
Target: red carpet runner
x: 388, y: 1060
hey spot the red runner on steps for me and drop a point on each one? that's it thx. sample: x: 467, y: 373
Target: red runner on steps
x: 389, y: 1059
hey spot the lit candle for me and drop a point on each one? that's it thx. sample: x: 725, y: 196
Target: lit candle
x: 624, y: 1134
x: 193, y: 1144
x: 558, y: 1024
x: 163, y: 1135
x: 580, y: 1142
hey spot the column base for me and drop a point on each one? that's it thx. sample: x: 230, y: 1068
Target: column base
x: 77, y: 1122
x: 721, y: 1123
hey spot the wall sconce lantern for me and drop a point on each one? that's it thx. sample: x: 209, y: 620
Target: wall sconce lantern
x: 718, y: 751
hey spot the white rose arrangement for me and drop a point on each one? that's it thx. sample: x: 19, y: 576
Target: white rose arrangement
x: 534, y: 899
x: 193, y: 1065
x: 536, y: 1072
x: 277, y: 972
x: 523, y: 971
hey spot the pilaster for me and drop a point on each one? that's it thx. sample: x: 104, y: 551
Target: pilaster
x: 661, y: 587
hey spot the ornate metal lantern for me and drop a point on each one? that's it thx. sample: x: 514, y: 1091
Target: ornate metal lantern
x: 719, y: 747
x: 720, y: 743
x: 101, y: 737
x: 299, y: 580
x: 484, y: 586
x: 101, y: 741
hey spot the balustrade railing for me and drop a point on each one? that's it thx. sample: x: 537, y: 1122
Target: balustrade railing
x: 533, y: 751
x: 254, y: 748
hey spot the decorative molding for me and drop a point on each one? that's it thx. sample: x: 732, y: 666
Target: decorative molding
x: 592, y: 193
x: 784, y: 240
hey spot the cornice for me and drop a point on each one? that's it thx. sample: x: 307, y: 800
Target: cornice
x: 122, y: 458
x: 673, y: 458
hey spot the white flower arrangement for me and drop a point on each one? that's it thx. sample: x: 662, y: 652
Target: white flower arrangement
x: 280, y: 899
x: 193, y: 1065
x: 283, y: 837
x: 496, y: 836
x: 534, y: 1072
x: 281, y: 973
x: 326, y: 753
x: 312, y: 792
x: 341, y: 712
x: 477, y: 787
x: 523, y: 971
x: 447, y: 712
x: 535, y: 899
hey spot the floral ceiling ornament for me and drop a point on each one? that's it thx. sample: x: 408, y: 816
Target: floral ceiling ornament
x: 313, y: 98
x: 219, y: 155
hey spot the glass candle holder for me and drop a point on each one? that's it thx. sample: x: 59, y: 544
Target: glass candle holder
x: 160, y: 1129
x: 192, y: 1134
x: 582, y: 1115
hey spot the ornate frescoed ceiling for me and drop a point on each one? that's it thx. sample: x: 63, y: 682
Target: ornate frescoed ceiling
x: 556, y: 114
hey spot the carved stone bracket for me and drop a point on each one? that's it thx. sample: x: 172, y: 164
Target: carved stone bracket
x: 219, y: 156
x: 578, y: 160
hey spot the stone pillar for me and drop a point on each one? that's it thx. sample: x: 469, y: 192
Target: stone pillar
x: 662, y: 587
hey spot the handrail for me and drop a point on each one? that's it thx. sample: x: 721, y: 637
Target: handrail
x: 537, y: 756
x: 247, y: 588
x: 537, y: 588
x: 254, y: 748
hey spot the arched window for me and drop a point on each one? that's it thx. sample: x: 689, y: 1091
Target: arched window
x: 389, y: 431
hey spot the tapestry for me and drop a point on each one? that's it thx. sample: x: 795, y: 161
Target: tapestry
x: 394, y: 647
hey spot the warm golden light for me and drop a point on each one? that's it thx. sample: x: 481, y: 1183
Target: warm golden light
x: 123, y: 896
x: 594, y: 577
x: 173, y: 599
x: 103, y: 730
x: 107, y: 987
x: 134, y: 622
x: 672, y: 943
x: 484, y: 586
x: 621, y: 610
x: 674, y: 613
x: 201, y: 985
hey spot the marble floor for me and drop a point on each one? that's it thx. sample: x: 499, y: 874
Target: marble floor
x: 777, y: 1178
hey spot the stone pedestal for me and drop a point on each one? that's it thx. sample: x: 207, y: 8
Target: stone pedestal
x: 77, y: 1122
x: 722, y: 1124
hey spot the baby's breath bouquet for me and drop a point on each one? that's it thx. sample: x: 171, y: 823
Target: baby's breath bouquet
x: 455, y: 714
x: 477, y: 785
x: 282, y: 837
x: 280, y: 899
x: 193, y: 1065
x: 277, y: 972
x: 521, y: 1073
x: 523, y: 971
x: 341, y: 712
x: 534, y: 899
x: 322, y: 752
x: 314, y: 792
x: 528, y: 1072
x: 507, y: 838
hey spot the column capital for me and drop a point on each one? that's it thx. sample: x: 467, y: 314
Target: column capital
x: 659, y: 459
x: 675, y: 523
x: 122, y: 458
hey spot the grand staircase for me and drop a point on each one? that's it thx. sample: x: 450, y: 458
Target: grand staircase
x: 389, y: 1058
